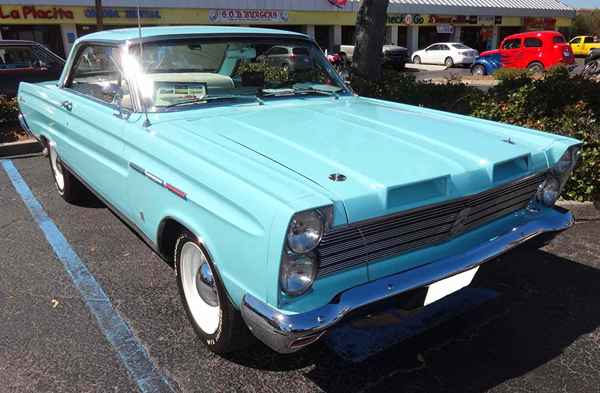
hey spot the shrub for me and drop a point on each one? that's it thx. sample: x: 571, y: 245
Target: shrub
x: 9, y: 110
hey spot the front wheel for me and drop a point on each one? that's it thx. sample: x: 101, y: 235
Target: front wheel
x: 478, y: 69
x: 591, y: 68
x: 207, y: 305
x: 417, y: 60
x: 67, y: 185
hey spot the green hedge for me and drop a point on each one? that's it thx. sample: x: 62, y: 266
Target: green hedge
x: 555, y: 103
x: 9, y: 110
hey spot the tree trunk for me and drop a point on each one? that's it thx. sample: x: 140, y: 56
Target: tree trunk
x: 369, y: 38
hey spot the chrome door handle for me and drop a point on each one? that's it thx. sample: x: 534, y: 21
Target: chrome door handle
x: 68, y: 105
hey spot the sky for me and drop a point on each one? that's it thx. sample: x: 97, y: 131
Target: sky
x: 583, y: 3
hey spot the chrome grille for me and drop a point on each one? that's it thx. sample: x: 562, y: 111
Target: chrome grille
x: 384, y: 237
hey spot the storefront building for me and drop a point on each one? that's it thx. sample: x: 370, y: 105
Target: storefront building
x: 411, y: 23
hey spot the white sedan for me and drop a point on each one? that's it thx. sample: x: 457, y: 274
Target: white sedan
x: 447, y: 53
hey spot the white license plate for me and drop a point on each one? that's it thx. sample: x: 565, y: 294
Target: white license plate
x: 449, y: 285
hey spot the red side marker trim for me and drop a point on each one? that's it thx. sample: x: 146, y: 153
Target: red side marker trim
x: 176, y: 191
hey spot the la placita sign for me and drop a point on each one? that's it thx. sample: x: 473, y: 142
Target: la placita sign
x: 33, y: 12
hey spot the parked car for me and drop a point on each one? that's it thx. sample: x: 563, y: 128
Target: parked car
x: 535, y: 51
x: 26, y: 61
x: 289, y: 58
x: 583, y: 44
x: 393, y: 55
x: 286, y: 203
x: 446, y: 53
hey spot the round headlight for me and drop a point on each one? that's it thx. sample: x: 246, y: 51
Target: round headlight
x: 305, y: 232
x: 298, y: 273
x: 549, y: 191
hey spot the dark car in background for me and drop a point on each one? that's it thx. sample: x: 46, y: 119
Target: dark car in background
x: 289, y: 58
x: 26, y: 61
x: 393, y: 55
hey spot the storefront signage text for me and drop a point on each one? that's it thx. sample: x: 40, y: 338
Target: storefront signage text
x: 128, y: 13
x: 405, y: 19
x: 237, y: 15
x: 457, y: 19
x: 32, y: 12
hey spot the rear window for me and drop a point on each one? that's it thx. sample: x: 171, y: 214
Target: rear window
x: 559, y: 39
x: 533, y: 43
x: 300, y: 51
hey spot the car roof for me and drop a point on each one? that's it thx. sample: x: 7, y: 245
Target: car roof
x: 534, y: 34
x: 122, y: 35
x: 18, y: 42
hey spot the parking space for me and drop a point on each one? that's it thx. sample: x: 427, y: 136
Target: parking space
x: 539, y: 332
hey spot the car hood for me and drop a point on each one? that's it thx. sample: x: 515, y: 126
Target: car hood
x: 490, y: 53
x: 391, y: 157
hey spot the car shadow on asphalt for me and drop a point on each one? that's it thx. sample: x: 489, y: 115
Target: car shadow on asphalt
x: 545, y: 304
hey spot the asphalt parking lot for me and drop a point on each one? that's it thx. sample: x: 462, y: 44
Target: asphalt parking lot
x: 539, y: 332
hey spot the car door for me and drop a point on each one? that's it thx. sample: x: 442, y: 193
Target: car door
x: 430, y: 54
x: 510, y: 53
x: 443, y: 54
x: 577, y: 46
x: 17, y: 64
x: 94, y: 148
x: 532, y: 51
x: 586, y: 47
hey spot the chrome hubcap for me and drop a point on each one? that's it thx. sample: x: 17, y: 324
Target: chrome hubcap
x: 199, y: 288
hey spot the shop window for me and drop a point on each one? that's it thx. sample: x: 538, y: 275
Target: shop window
x: 348, y: 35
x: 533, y: 43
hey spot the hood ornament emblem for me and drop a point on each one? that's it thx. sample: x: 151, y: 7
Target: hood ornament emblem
x: 509, y: 141
x: 337, y: 177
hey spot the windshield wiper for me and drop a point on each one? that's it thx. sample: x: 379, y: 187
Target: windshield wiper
x: 290, y: 91
x: 216, y: 98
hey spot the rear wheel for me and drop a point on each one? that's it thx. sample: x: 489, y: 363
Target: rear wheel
x: 478, y: 69
x: 67, y: 185
x: 536, y: 67
x: 449, y: 62
x: 207, y: 305
x: 417, y: 60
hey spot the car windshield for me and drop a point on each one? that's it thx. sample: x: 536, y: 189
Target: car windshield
x: 184, y: 73
x: 460, y: 46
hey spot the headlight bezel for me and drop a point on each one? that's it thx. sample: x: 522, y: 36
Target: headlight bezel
x: 558, y: 176
x: 325, y: 216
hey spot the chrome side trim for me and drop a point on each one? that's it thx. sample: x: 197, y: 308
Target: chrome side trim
x: 287, y: 333
x: 26, y: 128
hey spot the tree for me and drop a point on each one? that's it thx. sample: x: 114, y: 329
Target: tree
x: 369, y: 39
x: 587, y: 22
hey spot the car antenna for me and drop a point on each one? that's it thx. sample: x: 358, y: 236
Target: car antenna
x: 146, y: 123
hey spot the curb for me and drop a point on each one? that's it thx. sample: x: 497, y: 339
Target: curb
x: 26, y: 148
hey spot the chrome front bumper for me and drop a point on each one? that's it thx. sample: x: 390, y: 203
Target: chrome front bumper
x: 286, y: 333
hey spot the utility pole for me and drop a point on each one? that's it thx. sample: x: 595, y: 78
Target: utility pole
x: 99, y: 15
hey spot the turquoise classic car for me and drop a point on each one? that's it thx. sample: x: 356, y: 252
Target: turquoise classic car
x: 284, y: 201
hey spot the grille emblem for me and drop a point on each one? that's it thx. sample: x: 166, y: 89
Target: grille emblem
x: 461, y: 221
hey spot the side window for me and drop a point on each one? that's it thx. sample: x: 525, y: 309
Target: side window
x: 576, y: 40
x: 434, y: 47
x: 46, y: 58
x: 278, y: 50
x: 444, y: 47
x: 533, y: 43
x: 13, y: 57
x: 96, y: 74
x: 589, y: 40
x: 512, y: 44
